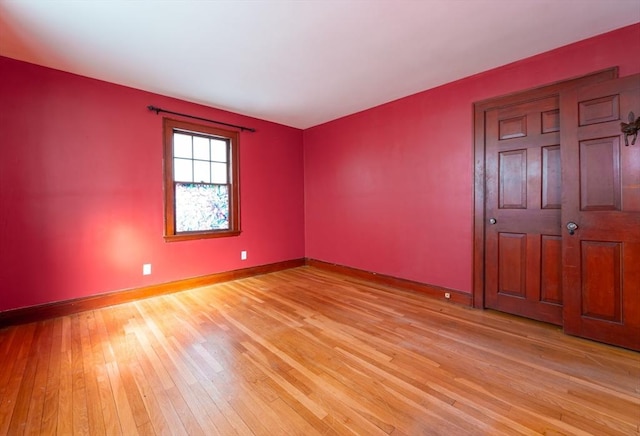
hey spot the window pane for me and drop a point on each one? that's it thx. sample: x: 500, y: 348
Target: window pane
x: 218, y: 150
x: 201, y: 207
x: 201, y: 172
x: 218, y: 172
x: 181, y: 145
x: 182, y: 170
x: 200, y: 148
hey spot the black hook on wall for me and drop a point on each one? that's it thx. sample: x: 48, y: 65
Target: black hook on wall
x: 630, y: 129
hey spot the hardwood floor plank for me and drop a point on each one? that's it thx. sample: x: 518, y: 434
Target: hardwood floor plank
x: 8, y: 347
x: 182, y: 378
x: 102, y: 355
x: 80, y: 412
x: 50, y: 407
x: 16, y: 366
x: 123, y: 389
x: 65, y: 386
x: 157, y: 418
x: 155, y: 393
x: 41, y: 356
x: 94, y: 410
x: 258, y: 359
x: 19, y: 419
x: 307, y: 351
x: 125, y: 414
x: 222, y: 414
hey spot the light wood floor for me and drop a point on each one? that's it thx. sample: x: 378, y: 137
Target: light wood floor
x: 308, y: 352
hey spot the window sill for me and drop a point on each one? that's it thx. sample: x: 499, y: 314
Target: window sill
x: 200, y: 235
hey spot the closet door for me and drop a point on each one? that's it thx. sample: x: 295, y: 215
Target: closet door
x: 523, y: 201
x: 601, y: 212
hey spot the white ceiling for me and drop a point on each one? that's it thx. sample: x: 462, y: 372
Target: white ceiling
x: 295, y: 62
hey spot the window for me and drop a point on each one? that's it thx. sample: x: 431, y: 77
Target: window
x: 201, y: 181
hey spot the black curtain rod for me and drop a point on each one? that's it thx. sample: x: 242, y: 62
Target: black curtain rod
x: 157, y: 110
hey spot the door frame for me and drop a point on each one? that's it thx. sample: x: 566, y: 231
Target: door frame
x: 479, y: 143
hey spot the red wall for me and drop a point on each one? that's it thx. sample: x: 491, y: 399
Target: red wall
x: 81, y: 200
x: 390, y: 189
x: 386, y: 190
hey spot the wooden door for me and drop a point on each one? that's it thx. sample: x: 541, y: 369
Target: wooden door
x: 523, y: 265
x: 601, y: 191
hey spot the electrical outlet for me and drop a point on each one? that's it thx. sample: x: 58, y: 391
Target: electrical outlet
x: 447, y: 295
x: 146, y: 269
x: 243, y: 255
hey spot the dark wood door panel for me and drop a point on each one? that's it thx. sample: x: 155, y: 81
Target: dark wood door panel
x: 551, y: 269
x: 600, y: 182
x: 550, y: 120
x: 527, y: 276
x: 598, y: 110
x: 510, y: 128
x: 512, y: 179
x: 600, y: 187
x: 601, y: 280
x: 512, y: 261
x: 524, y: 198
x: 551, y: 177
x: 609, y: 294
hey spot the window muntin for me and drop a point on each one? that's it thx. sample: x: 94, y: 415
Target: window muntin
x: 201, y: 181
